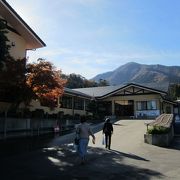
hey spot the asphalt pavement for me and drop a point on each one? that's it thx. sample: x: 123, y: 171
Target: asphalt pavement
x: 129, y: 158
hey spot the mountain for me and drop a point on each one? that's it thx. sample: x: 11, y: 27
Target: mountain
x: 141, y: 73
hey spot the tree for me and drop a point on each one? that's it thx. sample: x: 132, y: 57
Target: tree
x: 4, y: 47
x: 45, y: 82
x: 175, y: 91
x: 90, y: 83
x: 13, y: 80
x: 103, y: 82
x: 19, y: 83
x: 12, y: 72
x: 77, y: 81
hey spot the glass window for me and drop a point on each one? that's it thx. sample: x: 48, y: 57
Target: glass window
x: 139, y: 106
x: 143, y: 105
x: 154, y: 104
x: 146, y: 105
x: 87, y: 104
x: 149, y: 105
x: 78, y: 103
x: 66, y: 102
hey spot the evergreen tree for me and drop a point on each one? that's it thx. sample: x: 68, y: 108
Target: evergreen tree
x: 12, y: 72
x: 78, y: 81
x: 174, y: 91
x: 4, y: 47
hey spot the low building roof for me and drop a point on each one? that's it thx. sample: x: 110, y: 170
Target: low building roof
x: 11, y: 16
x: 76, y: 93
x: 100, y: 92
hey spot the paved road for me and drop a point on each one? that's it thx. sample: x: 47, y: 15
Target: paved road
x: 130, y: 158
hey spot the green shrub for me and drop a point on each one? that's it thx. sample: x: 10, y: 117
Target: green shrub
x: 158, y: 130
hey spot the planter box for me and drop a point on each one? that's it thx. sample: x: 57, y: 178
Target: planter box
x: 162, y: 140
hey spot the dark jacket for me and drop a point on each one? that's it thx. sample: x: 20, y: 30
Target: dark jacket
x: 108, y: 128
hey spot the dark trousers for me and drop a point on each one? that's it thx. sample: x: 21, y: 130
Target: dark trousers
x: 108, y: 140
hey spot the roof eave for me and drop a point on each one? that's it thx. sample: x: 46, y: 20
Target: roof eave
x: 32, y: 39
x: 67, y: 92
x: 131, y: 84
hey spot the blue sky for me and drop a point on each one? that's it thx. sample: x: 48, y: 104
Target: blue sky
x: 89, y: 37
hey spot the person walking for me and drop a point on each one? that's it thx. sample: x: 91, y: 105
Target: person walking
x: 108, y: 131
x: 84, y: 131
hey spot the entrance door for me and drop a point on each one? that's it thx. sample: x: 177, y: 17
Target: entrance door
x: 124, y: 108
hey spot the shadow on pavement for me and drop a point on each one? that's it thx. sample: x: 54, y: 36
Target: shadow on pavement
x: 62, y: 162
x: 116, y: 124
x: 175, y: 143
x: 132, y: 156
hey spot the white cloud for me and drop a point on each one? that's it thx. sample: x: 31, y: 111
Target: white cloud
x: 89, y: 63
x: 80, y: 41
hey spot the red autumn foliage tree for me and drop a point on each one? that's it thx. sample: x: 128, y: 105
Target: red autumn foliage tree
x: 45, y: 82
x: 21, y: 83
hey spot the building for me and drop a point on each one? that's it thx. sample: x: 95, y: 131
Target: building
x: 71, y: 103
x: 21, y: 39
x: 132, y: 100
x: 21, y: 36
x: 126, y: 100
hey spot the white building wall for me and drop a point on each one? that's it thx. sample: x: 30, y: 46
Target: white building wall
x: 18, y: 44
x: 18, y: 51
x: 137, y: 98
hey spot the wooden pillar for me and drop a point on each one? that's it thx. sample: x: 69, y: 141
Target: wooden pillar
x: 73, y: 106
x: 84, y: 106
x: 113, y: 107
